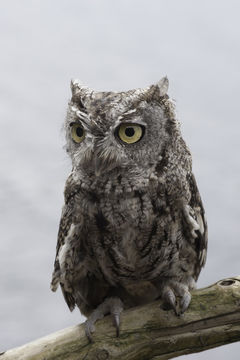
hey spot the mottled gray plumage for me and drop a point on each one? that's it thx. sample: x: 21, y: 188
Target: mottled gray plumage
x: 133, y: 227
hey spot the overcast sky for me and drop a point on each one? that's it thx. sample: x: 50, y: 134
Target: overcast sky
x: 108, y: 45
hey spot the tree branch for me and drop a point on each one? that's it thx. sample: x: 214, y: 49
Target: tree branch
x: 148, y: 332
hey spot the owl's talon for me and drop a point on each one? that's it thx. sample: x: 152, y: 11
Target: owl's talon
x: 169, y: 298
x: 113, y: 306
x: 116, y: 310
x: 175, y: 290
x: 97, y: 314
x: 89, y: 329
x: 185, y: 301
x: 117, y: 323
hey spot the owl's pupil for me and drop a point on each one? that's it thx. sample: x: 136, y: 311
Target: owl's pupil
x: 129, y: 131
x: 79, y: 131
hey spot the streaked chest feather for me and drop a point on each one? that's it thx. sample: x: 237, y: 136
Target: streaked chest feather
x: 128, y: 233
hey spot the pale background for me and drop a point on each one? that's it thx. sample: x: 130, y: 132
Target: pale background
x: 109, y: 45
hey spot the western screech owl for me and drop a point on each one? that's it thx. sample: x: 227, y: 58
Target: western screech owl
x: 133, y: 227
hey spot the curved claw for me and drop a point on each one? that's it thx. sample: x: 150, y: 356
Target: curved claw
x: 116, y: 309
x: 117, y: 323
x: 169, y: 298
x: 185, y: 301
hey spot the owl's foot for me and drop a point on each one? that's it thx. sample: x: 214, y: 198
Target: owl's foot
x: 177, y: 295
x: 113, y: 306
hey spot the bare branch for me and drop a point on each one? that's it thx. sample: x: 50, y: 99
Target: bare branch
x: 148, y: 332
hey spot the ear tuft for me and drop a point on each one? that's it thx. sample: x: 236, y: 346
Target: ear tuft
x: 80, y: 91
x: 163, y: 86
x: 75, y: 86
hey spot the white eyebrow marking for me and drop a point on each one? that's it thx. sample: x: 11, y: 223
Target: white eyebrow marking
x: 127, y: 113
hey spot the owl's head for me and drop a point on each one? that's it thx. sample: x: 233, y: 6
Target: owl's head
x: 129, y: 130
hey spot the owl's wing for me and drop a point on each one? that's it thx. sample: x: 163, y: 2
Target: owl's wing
x: 65, y: 228
x: 196, y: 225
x: 68, y: 235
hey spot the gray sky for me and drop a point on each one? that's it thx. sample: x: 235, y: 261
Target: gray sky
x: 108, y: 45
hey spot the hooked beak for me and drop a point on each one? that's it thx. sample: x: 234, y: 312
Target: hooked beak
x: 103, y: 163
x: 98, y: 165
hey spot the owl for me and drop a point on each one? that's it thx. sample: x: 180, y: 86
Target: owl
x: 132, y: 228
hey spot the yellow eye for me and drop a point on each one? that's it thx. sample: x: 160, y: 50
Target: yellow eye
x: 130, y: 133
x: 78, y: 133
